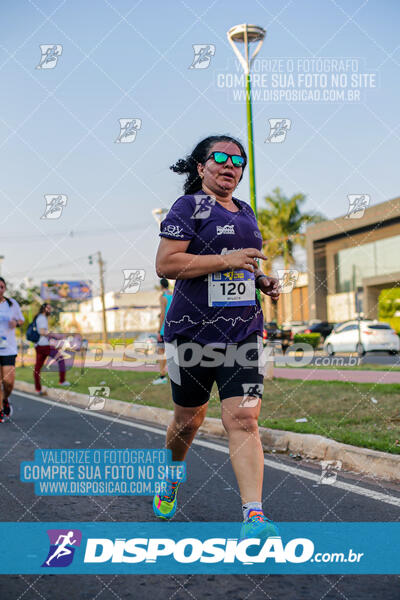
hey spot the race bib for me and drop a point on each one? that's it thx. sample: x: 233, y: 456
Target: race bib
x: 3, y: 342
x: 231, y: 288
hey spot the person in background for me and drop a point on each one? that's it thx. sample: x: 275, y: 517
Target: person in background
x: 165, y: 303
x: 10, y: 317
x: 44, y: 349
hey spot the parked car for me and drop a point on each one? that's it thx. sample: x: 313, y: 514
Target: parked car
x: 146, y: 343
x: 295, y: 326
x: 273, y: 333
x: 373, y: 335
x: 322, y: 327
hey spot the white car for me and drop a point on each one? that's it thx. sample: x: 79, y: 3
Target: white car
x: 373, y: 335
x: 295, y: 326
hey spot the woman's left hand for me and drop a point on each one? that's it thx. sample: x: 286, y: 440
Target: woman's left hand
x: 270, y: 286
x: 12, y: 323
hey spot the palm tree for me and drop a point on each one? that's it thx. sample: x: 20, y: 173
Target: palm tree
x: 282, y: 225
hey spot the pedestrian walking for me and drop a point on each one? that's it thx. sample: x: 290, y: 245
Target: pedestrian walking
x: 44, y: 348
x: 10, y: 317
x: 210, y: 244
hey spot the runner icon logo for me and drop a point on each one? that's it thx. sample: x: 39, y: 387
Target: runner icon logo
x: 128, y: 130
x: 50, y: 55
x: 278, y: 129
x: 63, y: 543
x: 287, y: 279
x: 203, y: 208
x: 202, y: 55
x: 54, y: 206
x: 357, y: 205
x: 330, y: 470
x: 132, y: 280
x: 97, y: 397
x: 252, y: 392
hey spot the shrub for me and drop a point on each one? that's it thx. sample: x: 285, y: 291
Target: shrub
x: 126, y: 341
x: 307, y: 338
x: 389, y: 303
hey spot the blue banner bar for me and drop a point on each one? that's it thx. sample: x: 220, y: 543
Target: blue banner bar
x: 203, y: 548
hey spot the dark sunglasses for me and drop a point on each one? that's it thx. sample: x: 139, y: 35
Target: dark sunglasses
x: 222, y: 157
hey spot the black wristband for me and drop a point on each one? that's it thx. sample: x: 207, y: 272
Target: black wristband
x: 258, y: 277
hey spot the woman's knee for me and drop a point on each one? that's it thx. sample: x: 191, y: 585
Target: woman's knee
x: 189, y: 423
x: 239, y: 421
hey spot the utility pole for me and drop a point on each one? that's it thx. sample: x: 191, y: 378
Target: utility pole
x: 103, y: 303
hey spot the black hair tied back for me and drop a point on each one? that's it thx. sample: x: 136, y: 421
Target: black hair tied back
x: 200, y: 154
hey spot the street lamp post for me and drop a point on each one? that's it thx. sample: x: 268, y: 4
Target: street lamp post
x: 247, y: 34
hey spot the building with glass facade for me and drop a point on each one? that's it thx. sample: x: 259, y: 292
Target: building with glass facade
x: 351, y: 259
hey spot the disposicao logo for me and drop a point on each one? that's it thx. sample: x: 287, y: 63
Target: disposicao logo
x: 190, y: 550
x: 62, y: 547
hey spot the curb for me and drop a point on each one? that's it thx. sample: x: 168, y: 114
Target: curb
x: 372, y: 463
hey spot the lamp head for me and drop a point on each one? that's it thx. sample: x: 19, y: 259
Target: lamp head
x: 254, y: 33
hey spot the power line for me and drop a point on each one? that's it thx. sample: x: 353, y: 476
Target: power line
x: 17, y: 237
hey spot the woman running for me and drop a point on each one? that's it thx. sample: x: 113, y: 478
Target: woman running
x: 10, y: 317
x: 209, y: 243
x: 165, y: 303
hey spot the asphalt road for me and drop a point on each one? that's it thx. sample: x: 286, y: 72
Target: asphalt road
x: 288, y: 496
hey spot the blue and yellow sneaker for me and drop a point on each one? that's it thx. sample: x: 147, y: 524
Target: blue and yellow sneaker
x: 258, y: 526
x: 164, y: 506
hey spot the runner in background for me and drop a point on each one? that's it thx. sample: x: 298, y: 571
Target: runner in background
x: 10, y: 317
x: 44, y: 349
x: 165, y: 303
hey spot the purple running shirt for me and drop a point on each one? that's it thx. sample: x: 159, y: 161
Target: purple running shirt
x: 221, y: 307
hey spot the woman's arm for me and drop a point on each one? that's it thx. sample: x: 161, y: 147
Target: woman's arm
x: 173, y: 262
x: 14, y: 323
x: 18, y: 319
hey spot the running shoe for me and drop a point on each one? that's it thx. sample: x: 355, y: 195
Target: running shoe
x: 258, y: 526
x: 164, y: 506
x: 65, y: 384
x: 2, y: 418
x: 160, y: 380
x: 7, y: 409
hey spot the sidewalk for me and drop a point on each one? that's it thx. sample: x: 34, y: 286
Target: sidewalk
x: 343, y: 375
x: 308, y: 374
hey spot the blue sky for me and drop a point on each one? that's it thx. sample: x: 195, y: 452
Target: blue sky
x: 124, y: 59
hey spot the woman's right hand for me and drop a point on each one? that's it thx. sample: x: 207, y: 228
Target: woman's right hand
x: 244, y: 259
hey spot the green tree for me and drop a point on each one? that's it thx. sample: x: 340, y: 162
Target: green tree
x: 282, y: 225
x: 28, y: 297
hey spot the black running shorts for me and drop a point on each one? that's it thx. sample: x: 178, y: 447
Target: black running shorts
x: 8, y: 361
x: 236, y: 368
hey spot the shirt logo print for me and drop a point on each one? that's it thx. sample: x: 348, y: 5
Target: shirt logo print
x: 226, y: 230
x: 173, y: 230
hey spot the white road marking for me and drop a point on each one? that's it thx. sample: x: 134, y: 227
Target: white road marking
x: 348, y: 487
